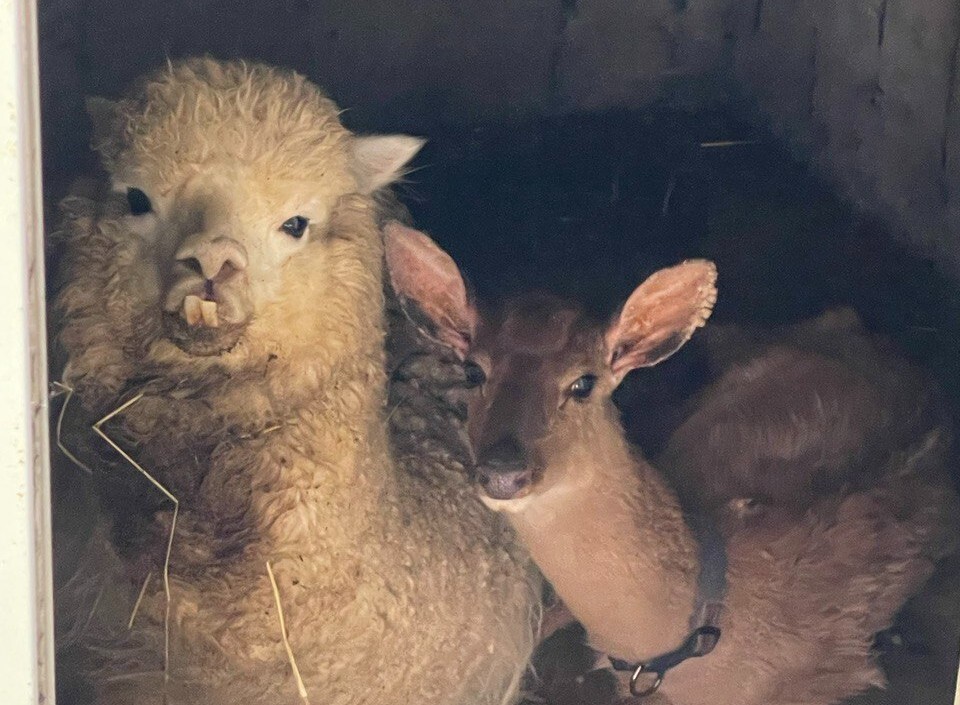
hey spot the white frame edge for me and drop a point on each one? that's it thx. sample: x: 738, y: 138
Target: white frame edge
x: 26, y: 620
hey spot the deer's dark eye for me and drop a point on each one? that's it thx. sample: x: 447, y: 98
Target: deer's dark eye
x: 475, y: 374
x: 295, y: 226
x: 138, y: 201
x: 582, y: 386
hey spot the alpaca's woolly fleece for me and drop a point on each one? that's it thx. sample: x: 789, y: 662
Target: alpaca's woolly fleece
x: 396, y: 585
x: 252, y: 114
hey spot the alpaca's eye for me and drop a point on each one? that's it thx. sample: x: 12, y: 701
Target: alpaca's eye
x: 295, y: 226
x: 138, y: 201
x: 583, y: 386
x: 475, y: 374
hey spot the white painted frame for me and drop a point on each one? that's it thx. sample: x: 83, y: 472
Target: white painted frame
x: 26, y: 616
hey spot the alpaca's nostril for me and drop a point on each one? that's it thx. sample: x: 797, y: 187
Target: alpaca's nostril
x: 217, y: 259
x: 193, y: 264
x: 226, y: 272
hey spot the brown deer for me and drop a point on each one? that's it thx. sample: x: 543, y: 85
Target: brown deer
x: 811, y: 498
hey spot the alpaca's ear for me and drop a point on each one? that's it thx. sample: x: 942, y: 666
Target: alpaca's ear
x: 378, y: 160
x: 421, y: 272
x: 660, y: 316
x: 103, y: 115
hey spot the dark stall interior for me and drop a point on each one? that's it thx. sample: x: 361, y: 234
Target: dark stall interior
x: 811, y: 149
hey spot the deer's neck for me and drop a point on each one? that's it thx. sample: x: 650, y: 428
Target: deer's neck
x: 612, y: 540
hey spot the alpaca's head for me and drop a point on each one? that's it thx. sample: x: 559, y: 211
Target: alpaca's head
x: 239, y: 226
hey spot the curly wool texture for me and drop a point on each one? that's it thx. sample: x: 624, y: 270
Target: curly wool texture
x: 396, y: 585
x: 248, y: 111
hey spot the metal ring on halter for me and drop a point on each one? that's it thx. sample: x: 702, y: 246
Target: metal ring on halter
x: 649, y: 690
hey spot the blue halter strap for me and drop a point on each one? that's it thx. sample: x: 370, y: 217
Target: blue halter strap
x: 704, y: 622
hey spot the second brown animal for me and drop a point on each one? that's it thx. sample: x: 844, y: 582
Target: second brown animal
x: 819, y: 458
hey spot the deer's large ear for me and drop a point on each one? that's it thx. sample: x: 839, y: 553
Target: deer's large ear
x: 661, y: 315
x: 421, y: 272
x: 378, y: 160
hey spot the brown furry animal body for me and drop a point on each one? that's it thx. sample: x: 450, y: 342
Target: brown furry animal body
x: 269, y: 427
x: 822, y: 460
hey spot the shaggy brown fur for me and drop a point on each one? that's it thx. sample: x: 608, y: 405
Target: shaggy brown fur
x: 397, y: 586
x: 823, y: 460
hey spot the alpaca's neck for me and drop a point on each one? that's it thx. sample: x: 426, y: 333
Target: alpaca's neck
x: 613, y: 542
x: 315, y: 474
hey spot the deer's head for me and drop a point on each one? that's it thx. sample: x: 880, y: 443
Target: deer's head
x: 543, y: 371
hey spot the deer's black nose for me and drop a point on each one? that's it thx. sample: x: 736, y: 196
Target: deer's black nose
x: 503, y: 484
x: 505, y: 454
x: 502, y: 469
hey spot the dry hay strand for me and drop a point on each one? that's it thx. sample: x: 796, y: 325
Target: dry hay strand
x: 68, y: 390
x: 136, y: 605
x: 301, y: 688
x: 723, y: 144
x: 97, y: 428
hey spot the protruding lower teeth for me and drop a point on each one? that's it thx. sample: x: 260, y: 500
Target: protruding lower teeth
x: 192, y: 310
x: 209, y: 311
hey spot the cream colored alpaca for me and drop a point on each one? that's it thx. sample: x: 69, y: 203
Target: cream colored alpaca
x: 232, y: 276
x: 822, y: 461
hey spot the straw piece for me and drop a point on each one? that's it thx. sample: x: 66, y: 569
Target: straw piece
x: 136, y: 605
x: 301, y: 688
x: 720, y: 144
x: 173, y: 525
x: 63, y: 410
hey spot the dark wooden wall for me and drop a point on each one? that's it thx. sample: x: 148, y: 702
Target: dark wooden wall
x: 866, y: 89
